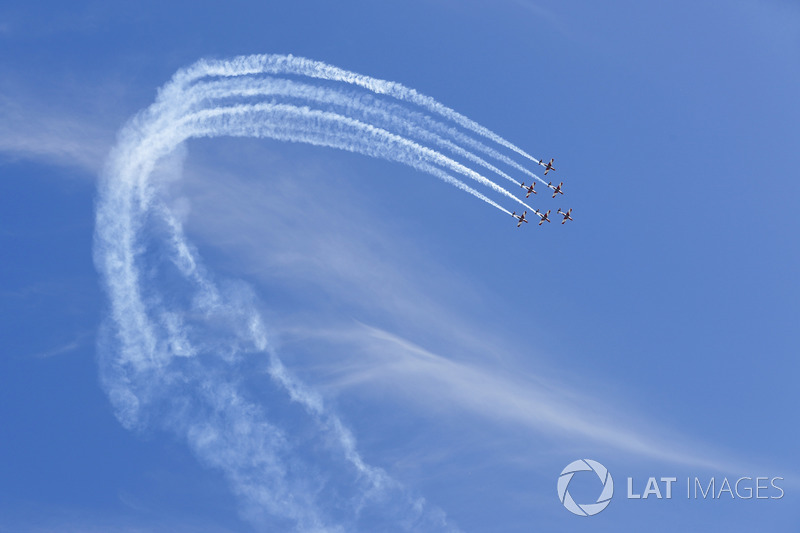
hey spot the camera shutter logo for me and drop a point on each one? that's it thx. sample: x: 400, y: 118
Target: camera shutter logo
x: 586, y: 509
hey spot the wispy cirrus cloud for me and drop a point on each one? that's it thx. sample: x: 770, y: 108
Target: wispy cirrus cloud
x: 377, y: 360
x: 73, y: 125
x: 34, y: 130
x: 62, y: 349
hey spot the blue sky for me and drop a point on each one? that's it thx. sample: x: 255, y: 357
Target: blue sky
x: 469, y: 361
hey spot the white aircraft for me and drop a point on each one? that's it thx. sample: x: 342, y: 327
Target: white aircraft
x: 566, y: 215
x: 521, y: 217
x: 529, y: 189
x: 556, y: 188
x: 543, y: 216
x: 548, y: 166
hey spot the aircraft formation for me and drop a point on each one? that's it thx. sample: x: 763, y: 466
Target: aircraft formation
x: 543, y: 217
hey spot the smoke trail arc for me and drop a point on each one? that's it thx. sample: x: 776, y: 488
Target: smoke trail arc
x: 289, y: 64
x: 413, y: 123
x: 180, y: 340
x: 381, y: 114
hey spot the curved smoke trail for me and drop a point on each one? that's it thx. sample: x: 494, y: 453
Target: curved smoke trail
x: 375, y: 111
x: 382, y: 114
x: 181, y: 359
x: 300, y: 66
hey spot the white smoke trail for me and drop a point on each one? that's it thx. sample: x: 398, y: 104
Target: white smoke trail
x: 181, y: 360
x: 279, y: 64
x: 301, y: 124
x: 376, y: 111
x: 289, y: 64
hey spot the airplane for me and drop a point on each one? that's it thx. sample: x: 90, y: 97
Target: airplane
x: 521, y: 217
x: 548, y: 166
x: 556, y: 188
x: 529, y: 189
x: 566, y: 215
x: 543, y: 216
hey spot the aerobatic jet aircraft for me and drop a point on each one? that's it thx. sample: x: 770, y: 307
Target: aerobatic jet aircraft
x: 521, y: 217
x: 556, y: 188
x: 529, y: 189
x: 566, y: 215
x: 548, y: 166
x: 543, y: 216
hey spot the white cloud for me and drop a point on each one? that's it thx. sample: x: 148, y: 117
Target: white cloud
x: 62, y: 349
x: 28, y: 132
x: 74, y: 127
